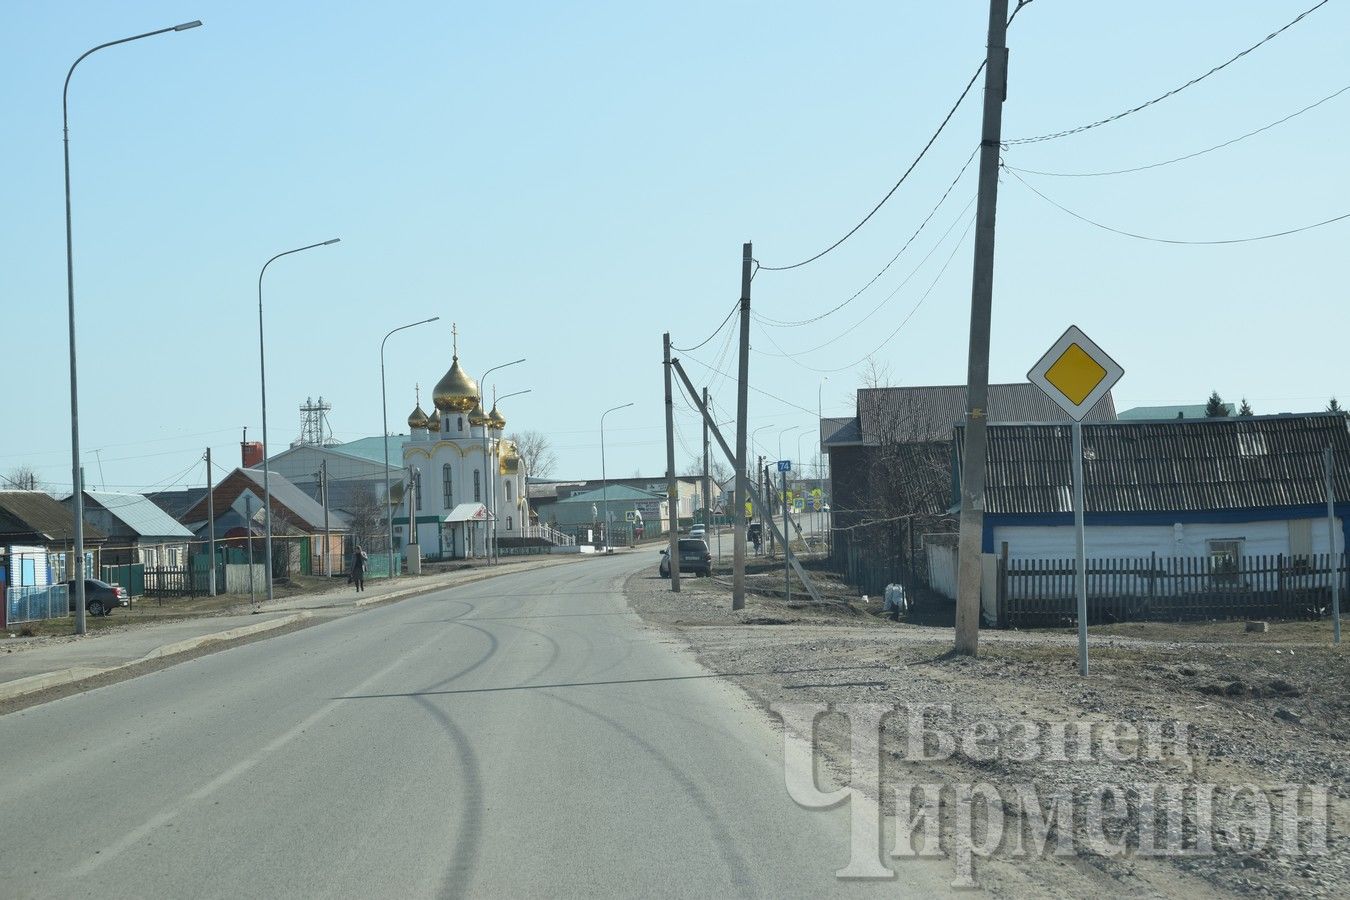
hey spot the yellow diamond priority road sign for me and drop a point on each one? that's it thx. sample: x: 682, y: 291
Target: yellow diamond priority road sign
x: 1075, y: 373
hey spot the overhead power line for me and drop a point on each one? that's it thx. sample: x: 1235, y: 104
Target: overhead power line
x: 903, y: 322
x: 1168, y: 162
x: 960, y: 217
x: 1159, y: 240
x: 778, y: 323
x: 882, y: 202
x: 735, y: 306
x: 703, y: 365
x: 1176, y: 90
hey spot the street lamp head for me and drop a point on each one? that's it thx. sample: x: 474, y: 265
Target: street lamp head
x: 186, y: 25
x: 334, y: 240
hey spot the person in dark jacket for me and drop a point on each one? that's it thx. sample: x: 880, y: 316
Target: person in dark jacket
x: 359, y: 568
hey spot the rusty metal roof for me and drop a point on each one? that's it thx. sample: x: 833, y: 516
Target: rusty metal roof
x: 35, y: 515
x: 1184, y: 465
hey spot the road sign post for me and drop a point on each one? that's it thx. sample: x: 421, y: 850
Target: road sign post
x: 1076, y: 373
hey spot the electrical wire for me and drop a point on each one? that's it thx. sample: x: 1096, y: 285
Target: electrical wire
x: 852, y: 231
x: 777, y: 323
x: 1020, y: 4
x: 1168, y: 162
x: 903, y: 322
x: 1145, y: 237
x: 1146, y: 104
x: 810, y: 412
x: 957, y: 221
x: 730, y: 313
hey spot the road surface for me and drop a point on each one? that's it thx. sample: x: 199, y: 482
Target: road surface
x: 525, y: 736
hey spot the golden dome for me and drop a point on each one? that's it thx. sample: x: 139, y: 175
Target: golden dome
x: 456, y: 392
x: 476, y: 415
x: 496, y: 419
x: 417, y: 418
x: 510, y: 459
x: 434, y: 420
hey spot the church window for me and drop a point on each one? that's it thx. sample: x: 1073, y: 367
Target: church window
x: 508, y: 492
x: 461, y: 423
x: 508, y: 523
x: 417, y: 489
x: 447, y: 492
x: 477, y: 488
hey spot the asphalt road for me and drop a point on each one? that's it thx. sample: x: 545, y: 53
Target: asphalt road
x: 525, y: 736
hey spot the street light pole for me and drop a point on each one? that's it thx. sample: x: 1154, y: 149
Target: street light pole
x: 487, y: 475
x: 262, y: 372
x: 604, y: 479
x: 492, y: 472
x: 384, y: 413
x: 76, y: 481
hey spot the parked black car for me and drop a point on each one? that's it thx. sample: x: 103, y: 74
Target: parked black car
x: 694, y: 558
x: 100, y: 598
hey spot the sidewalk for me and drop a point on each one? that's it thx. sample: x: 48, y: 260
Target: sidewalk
x: 36, y: 664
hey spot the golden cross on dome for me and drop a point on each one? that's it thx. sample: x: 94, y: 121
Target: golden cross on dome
x: 454, y: 338
x: 417, y: 388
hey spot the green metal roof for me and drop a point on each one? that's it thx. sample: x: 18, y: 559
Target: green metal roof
x: 616, y: 493
x: 1190, y: 411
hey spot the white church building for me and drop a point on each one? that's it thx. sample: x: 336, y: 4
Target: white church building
x: 467, y: 481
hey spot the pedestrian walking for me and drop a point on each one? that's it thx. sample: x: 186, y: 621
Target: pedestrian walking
x: 359, y: 568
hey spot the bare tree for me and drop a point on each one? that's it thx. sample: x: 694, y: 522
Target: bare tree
x: 24, y: 478
x: 536, y: 452
x: 876, y: 374
x: 718, y: 470
x: 368, y: 527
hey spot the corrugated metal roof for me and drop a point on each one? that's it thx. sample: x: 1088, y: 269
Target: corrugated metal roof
x: 919, y: 414
x: 1190, y: 411
x: 39, y: 513
x: 616, y: 492
x: 297, y: 501
x: 837, y: 431
x: 1183, y: 465
x: 139, y: 513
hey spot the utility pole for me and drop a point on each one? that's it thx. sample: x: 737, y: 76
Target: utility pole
x: 210, y: 526
x: 707, y: 488
x: 787, y: 536
x: 323, y: 493
x: 672, y: 493
x: 970, y: 561
x: 742, y: 414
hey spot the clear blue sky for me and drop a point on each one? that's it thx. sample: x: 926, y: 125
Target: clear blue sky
x: 568, y: 181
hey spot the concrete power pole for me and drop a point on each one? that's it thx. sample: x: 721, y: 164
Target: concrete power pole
x: 210, y: 527
x: 707, y: 488
x: 742, y: 414
x: 970, y: 559
x: 672, y: 491
x: 323, y: 494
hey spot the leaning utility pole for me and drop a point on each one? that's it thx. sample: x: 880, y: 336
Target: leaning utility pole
x: 672, y: 491
x: 970, y: 561
x: 210, y: 527
x: 742, y: 413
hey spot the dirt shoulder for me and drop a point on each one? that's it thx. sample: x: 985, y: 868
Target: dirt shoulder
x: 1228, y: 709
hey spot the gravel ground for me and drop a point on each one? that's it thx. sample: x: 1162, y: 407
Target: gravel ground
x: 1261, y: 709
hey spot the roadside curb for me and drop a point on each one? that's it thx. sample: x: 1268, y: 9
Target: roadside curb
x: 471, y: 579
x: 32, y: 684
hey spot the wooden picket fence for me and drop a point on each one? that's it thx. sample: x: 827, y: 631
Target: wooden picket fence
x: 1042, y: 593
